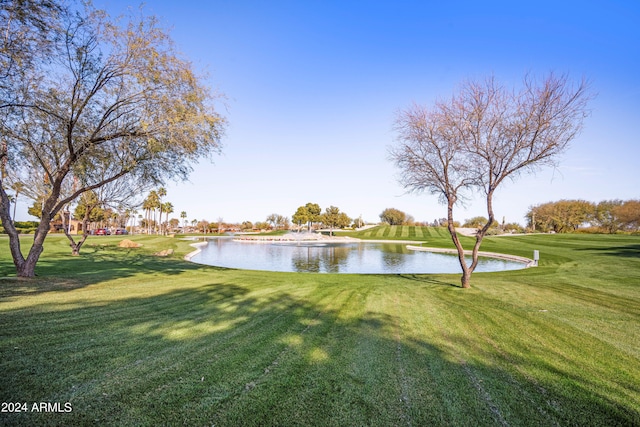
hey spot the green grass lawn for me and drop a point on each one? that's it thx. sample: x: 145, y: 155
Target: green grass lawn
x: 403, y: 232
x: 131, y: 339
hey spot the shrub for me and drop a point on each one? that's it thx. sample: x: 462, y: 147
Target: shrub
x: 23, y: 227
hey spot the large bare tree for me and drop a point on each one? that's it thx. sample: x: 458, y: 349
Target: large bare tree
x: 483, y: 135
x: 112, y: 99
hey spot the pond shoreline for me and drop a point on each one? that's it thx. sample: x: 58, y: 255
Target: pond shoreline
x: 327, y: 242
x: 411, y: 244
x: 198, y: 246
x: 527, y: 261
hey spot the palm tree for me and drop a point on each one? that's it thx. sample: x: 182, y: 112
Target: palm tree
x: 131, y: 218
x: 161, y: 193
x: 146, y: 205
x: 167, y: 207
x: 113, y: 220
x: 183, y: 215
x: 150, y: 204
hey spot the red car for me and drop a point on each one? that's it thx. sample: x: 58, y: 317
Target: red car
x: 102, y: 232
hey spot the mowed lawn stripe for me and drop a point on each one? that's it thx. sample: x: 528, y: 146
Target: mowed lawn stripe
x: 507, y: 360
x: 554, y: 345
x: 433, y: 361
x: 289, y: 384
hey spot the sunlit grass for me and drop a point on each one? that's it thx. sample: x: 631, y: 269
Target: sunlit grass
x: 133, y: 339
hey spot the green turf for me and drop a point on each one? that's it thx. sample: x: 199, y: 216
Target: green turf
x: 131, y: 339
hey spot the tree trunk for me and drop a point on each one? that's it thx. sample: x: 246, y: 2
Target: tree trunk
x: 10, y: 229
x: 75, y: 247
x: 25, y: 267
x: 483, y: 231
x: 28, y: 267
x: 49, y: 210
x: 466, y: 272
x: 466, y: 279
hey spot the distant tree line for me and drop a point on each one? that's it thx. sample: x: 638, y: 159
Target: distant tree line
x: 309, y: 217
x: 567, y: 216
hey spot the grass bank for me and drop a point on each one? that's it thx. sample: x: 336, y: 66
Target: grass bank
x: 128, y: 338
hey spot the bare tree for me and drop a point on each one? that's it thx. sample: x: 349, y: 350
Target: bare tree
x: 485, y: 134
x: 117, y: 99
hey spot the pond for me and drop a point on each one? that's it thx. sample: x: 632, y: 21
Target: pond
x: 329, y: 257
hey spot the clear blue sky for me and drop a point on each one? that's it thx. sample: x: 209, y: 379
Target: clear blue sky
x: 312, y: 89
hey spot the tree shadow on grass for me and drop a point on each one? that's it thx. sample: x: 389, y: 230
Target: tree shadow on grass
x: 429, y: 279
x: 225, y: 353
x: 626, y: 251
x: 95, y: 265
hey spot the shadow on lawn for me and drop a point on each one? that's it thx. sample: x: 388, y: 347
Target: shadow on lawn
x: 96, y: 264
x: 230, y: 354
x: 426, y: 278
x: 627, y: 251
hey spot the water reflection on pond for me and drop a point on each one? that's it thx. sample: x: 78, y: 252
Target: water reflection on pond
x: 312, y: 257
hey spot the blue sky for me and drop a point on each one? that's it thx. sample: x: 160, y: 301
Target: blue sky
x: 312, y: 89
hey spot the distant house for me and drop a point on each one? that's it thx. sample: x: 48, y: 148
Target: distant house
x: 75, y: 226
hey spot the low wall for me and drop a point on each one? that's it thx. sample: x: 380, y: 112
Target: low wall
x: 197, y: 245
x: 528, y: 261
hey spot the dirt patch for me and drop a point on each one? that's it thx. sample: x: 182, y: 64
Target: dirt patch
x: 165, y: 252
x: 126, y: 243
